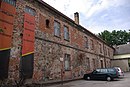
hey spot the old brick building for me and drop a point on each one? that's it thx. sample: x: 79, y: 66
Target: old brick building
x: 35, y: 38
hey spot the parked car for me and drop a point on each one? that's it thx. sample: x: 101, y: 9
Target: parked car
x: 102, y: 74
x: 121, y: 73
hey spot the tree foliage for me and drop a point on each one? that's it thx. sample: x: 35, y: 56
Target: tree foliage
x: 115, y: 37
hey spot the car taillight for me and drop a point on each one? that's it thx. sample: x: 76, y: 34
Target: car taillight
x: 117, y: 73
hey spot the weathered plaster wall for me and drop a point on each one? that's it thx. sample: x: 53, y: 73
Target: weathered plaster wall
x: 122, y: 63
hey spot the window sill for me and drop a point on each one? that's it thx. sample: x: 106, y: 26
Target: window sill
x: 67, y: 40
x: 57, y: 36
x: 67, y: 70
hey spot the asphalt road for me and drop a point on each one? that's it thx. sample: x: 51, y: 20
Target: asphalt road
x: 125, y: 82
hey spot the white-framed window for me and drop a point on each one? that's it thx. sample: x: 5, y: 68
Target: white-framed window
x: 56, y: 28
x: 66, y: 33
x: 67, y: 62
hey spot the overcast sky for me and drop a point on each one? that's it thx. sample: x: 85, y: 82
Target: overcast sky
x: 96, y: 15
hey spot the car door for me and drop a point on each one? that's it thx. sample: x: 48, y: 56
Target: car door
x: 96, y: 74
x: 103, y: 73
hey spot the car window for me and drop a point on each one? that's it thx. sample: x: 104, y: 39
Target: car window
x: 98, y: 70
x: 110, y: 70
x: 104, y: 70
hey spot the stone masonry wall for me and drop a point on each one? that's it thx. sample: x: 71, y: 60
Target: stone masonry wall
x: 49, y: 49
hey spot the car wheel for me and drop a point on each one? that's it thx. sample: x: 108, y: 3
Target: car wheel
x: 108, y: 78
x: 88, y: 77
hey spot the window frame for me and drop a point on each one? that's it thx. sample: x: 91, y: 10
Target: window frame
x: 100, y: 47
x: 86, y: 42
x: 57, y: 31
x: 66, y: 33
x: 11, y: 2
x: 87, y: 63
x: 68, y: 59
x: 92, y: 44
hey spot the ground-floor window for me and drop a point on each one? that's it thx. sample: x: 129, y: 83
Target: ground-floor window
x: 67, y: 62
x: 87, y: 63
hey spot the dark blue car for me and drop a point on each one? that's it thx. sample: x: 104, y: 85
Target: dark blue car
x: 102, y: 74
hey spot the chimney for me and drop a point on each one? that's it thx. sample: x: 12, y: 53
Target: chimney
x: 76, y: 17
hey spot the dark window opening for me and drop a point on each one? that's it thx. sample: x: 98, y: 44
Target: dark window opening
x: 47, y: 23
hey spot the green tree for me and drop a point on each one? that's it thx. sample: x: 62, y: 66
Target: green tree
x: 115, y: 37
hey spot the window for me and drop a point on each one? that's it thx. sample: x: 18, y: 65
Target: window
x: 105, y: 51
x: 100, y: 47
x: 86, y: 42
x: 67, y: 62
x: 30, y: 11
x: 0, y: 3
x: 87, y: 63
x: 103, y: 70
x: 66, y: 33
x: 92, y: 45
x: 12, y: 2
x: 108, y: 52
x: 94, y: 64
x: 56, y: 28
x: 47, y: 23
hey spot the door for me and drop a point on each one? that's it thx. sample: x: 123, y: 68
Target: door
x: 26, y: 63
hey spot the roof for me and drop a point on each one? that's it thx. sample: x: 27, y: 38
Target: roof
x: 122, y: 49
x: 67, y: 18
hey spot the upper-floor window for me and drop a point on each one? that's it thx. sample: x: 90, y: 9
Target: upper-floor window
x: 66, y: 33
x: 67, y: 62
x: 30, y: 11
x: 92, y: 44
x: 47, y: 23
x: 105, y: 50
x: 100, y: 47
x: 86, y: 42
x: 12, y: 2
x: 108, y: 52
x: 56, y: 28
